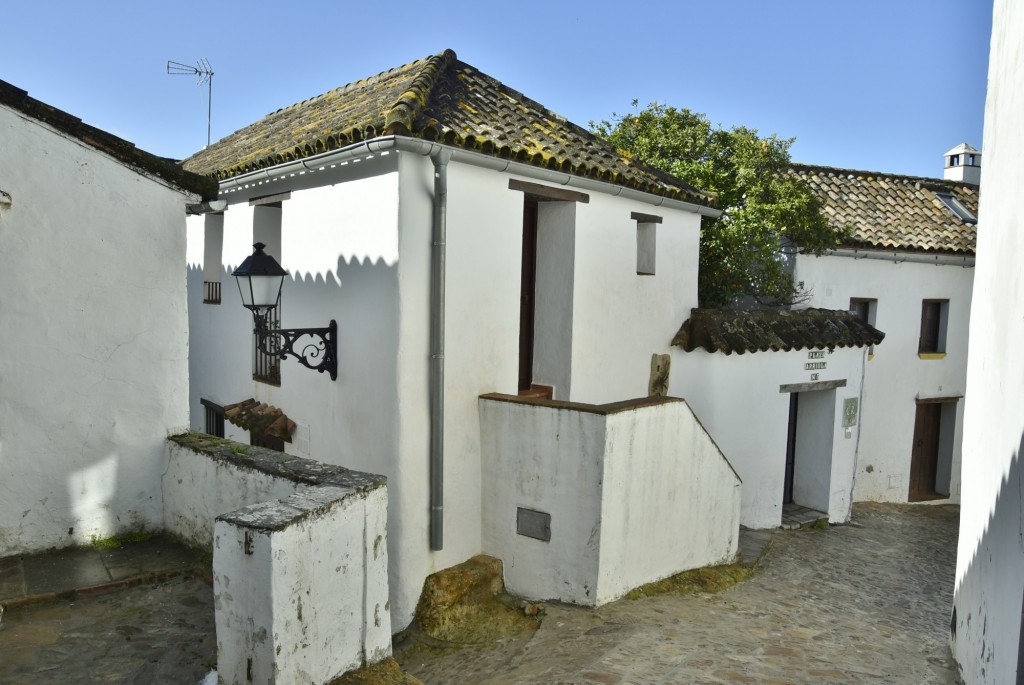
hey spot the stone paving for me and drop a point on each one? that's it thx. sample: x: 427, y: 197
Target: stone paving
x: 148, y: 634
x: 866, y: 602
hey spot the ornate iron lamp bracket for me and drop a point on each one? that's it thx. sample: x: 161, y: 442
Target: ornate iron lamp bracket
x: 314, y: 348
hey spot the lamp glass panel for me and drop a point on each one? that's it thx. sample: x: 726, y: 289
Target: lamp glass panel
x: 265, y: 290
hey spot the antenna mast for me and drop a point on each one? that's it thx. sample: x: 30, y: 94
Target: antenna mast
x: 205, y: 73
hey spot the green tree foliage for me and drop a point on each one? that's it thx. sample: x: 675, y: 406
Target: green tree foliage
x: 764, y: 208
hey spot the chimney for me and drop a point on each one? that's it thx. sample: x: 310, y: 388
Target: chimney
x: 963, y: 163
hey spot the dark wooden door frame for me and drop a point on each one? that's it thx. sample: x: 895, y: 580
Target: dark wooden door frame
x: 528, y: 294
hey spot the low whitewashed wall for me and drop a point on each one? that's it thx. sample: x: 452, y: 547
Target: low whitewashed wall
x: 671, y: 500
x: 301, y: 587
x: 300, y: 559
x: 636, y: 491
x: 198, y: 489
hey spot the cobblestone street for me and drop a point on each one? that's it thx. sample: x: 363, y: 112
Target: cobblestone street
x: 867, y: 602
x: 863, y: 603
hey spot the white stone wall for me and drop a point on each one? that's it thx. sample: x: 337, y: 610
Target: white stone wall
x: 634, y: 495
x: 989, y: 582
x: 301, y: 587
x: 94, y: 373
x: 895, y: 377
x: 737, y: 399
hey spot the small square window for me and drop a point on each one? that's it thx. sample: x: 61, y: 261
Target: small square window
x: 864, y: 308
x: 934, y: 318
x: 646, y: 242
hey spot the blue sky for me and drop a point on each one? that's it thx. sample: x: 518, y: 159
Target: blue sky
x: 885, y: 85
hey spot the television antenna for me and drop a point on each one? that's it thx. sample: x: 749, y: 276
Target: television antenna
x: 204, y: 71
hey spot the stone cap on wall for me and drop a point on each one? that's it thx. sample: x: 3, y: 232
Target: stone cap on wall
x: 603, y: 409
x: 279, y: 464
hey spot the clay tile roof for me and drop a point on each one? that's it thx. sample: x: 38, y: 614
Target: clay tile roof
x: 118, y: 148
x: 261, y: 418
x: 728, y: 331
x: 443, y: 99
x: 893, y: 212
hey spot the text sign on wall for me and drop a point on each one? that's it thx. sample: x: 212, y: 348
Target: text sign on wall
x: 815, y: 366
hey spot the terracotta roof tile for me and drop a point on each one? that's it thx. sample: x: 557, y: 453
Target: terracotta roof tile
x: 439, y: 98
x: 729, y: 330
x: 896, y: 212
x: 261, y: 418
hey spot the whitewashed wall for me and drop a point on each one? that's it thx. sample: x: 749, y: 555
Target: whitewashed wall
x: 737, y: 399
x: 989, y: 582
x: 634, y: 495
x: 671, y: 500
x: 621, y: 318
x: 361, y: 243
x: 896, y: 377
x: 94, y: 332
x: 484, y: 248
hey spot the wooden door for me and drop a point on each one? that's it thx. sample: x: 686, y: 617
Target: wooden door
x: 527, y: 306
x: 787, y: 487
x: 924, y: 459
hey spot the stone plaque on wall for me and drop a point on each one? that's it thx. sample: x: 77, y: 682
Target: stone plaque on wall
x: 660, y: 366
x: 533, y: 524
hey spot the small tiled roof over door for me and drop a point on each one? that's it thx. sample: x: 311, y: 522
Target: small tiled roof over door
x: 729, y: 330
x: 438, y: 98
x: 893, y: 212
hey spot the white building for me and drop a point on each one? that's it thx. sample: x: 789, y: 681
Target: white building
x: 907, y: 268
x: 780, y: 392
x: 468, y: 241
x: 988, y: 606
x: 94, y: 374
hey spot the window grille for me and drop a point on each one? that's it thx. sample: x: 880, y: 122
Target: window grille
x: 267, y: 367
x: 211, y: 292
x: 214, y: 418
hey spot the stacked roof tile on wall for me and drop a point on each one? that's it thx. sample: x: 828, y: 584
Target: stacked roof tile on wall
x: 763, y: 330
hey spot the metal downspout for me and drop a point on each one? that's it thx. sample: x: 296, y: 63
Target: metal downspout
x: 437, y: 277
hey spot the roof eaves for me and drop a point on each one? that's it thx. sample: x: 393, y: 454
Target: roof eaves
x: 121, y: 150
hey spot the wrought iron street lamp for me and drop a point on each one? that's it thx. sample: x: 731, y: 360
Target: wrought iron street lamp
x: 259, y: 280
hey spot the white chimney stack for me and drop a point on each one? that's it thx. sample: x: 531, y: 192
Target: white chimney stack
x: 963, y: 163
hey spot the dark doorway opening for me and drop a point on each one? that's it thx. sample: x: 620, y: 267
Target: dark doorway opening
x: 787, y: 488
x: 528, y: 293
x: 924, y: 457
